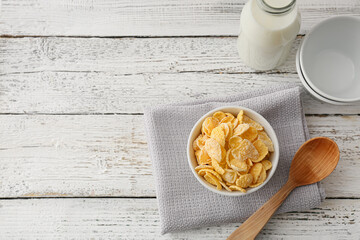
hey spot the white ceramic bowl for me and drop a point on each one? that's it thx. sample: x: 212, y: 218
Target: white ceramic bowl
x: 308, y: 88
x: 330, y: 59
x: 274, y: 157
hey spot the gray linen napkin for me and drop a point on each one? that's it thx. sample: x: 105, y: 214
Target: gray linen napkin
x: 183, y: 202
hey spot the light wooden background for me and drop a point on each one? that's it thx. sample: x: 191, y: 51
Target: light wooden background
x: 74, y: 76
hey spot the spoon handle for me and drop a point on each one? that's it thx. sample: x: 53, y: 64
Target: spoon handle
x: 253, y: 225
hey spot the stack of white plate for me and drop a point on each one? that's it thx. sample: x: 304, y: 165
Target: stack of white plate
x: 328, y: 60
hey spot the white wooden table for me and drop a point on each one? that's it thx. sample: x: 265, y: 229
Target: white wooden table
x: 74, y: 76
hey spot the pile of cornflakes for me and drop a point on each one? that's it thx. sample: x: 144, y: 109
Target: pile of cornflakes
x: 233, y: 153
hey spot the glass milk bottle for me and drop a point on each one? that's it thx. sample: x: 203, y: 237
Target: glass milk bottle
x: 267, y: 31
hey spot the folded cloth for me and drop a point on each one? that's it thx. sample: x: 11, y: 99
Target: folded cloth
x: 183, y: 202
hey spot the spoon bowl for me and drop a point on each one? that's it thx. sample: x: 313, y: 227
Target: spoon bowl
x: 313, y: 162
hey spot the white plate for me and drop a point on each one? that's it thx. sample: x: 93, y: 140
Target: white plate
x: 330, y: 59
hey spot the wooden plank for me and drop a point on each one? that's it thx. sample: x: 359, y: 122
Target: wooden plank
x: 97, y: 155
x: 70, y: 75
x: 74, y: 156
x: 127, y: 56
x: 139, y: 219
x: 145, y: 18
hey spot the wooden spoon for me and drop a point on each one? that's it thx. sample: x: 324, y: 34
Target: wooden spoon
x: 313, y: 162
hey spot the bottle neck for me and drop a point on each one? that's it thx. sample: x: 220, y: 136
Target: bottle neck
x: 276, y: 7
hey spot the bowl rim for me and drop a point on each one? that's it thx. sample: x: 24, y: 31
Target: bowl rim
x: 308, y: 87
x: 301, y: 56
x: 268, y: 129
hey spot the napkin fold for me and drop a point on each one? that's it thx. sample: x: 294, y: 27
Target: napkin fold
x: 183, y: 202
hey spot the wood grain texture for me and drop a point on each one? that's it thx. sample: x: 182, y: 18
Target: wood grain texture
x: 107, y: 155
x: 72, y: 75
x: 145, y: 18
x: 139, y: 219
x: 127, y: 56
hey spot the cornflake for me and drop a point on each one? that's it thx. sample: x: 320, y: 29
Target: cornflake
x: 233, y: 151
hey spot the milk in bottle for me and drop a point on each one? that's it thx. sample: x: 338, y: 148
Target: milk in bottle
x: 267, y: 31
